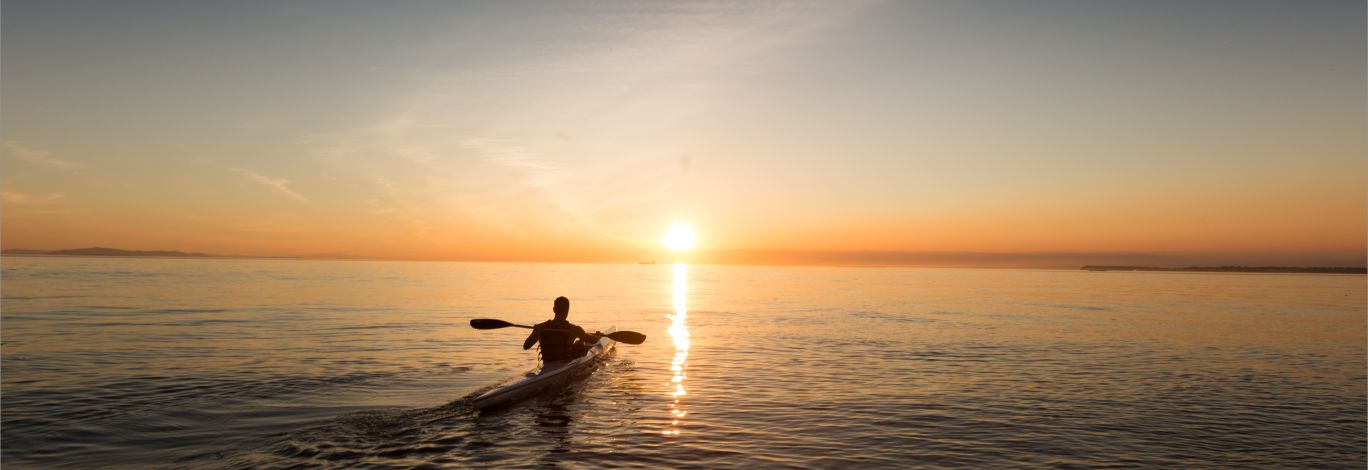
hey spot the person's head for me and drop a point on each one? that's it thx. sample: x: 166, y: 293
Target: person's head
x: 562, y: 308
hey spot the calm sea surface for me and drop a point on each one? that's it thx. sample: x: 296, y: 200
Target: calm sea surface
x: 259, y: 363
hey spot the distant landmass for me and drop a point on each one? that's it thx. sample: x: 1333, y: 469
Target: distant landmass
x: 21, y: 251
x: 1234, y: 269
x: 100, y: 251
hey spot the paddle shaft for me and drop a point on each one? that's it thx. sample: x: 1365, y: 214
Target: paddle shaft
x: 629, y: 337
x: 533, y: 328
x: 562, y: 331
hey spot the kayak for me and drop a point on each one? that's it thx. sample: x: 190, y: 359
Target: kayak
x: 551, y: 375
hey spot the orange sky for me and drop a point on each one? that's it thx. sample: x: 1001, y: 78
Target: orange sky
x: 858, y: 132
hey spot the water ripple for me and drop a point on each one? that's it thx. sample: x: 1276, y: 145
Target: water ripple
x: 288, y: 364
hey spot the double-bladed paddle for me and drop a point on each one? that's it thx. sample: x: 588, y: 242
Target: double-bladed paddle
x: 629, y: 337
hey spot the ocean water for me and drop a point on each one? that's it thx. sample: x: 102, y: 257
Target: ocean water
x: 219, y: 363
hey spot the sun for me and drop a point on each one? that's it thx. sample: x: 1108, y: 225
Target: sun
x: 680, y: 237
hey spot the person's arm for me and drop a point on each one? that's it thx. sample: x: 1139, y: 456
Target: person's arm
x: 532, y: 338
x: 586, y: 337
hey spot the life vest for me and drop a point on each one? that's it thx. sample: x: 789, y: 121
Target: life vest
x: 557, y: 345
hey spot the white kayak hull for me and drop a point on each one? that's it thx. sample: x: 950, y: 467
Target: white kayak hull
x: 551, y: 375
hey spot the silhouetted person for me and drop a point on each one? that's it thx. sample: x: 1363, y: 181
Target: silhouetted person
x: 559, y: 338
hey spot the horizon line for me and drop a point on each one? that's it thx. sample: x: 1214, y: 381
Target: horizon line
x: 833, y: 258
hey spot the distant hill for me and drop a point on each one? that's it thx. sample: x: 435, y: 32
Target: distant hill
x: 1233, y: 269
x: 100, y: 251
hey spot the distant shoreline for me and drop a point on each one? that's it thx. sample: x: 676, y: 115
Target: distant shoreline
x: 118, y: 253
x: 101, y: 251
x: 1233, y: 269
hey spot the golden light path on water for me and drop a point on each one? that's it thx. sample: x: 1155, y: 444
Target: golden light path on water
x: 679, y: 366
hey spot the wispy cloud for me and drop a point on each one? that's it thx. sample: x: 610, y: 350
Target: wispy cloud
x: 497, y: 140
x: 279, y: 185
x: 539, y: 176
x: 383, y: 203
x: 505, y: 153
x: 16, y: 197
x: 40, y: 157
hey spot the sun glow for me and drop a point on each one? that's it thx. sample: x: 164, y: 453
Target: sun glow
x: 680, y: 237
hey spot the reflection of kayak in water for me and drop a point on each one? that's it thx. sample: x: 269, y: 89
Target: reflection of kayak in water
x: 552, y: 375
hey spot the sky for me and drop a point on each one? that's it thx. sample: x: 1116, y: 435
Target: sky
x: 941, y: 132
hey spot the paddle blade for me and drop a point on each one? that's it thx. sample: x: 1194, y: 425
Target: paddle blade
x: 488, y: 324
x: 629, y: 337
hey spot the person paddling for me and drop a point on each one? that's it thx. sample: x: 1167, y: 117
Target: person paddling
x: 559, y: 338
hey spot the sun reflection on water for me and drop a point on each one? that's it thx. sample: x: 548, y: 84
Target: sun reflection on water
x: 679, y: 332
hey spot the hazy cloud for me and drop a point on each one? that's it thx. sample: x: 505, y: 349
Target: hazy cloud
x: 32, y: 155
x: 505, y: 153
x: 279, y: 185
x: 331, y: 146
x: 16, y: 197
x: 545, y: 178
x: 637, y: 72
x: 386, y: 192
